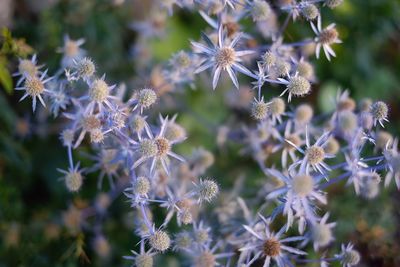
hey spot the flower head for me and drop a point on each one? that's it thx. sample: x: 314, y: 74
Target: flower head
x: 73, y: 178
x: 34, y: 87
x: 379, y: 111
x: 297, y: 86
x: 349, y: 256
x: 156, y: 148
x: 325, y: 38
x: 269, y: 245
x: 221, y: 57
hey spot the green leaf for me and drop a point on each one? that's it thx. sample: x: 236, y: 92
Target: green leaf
x: 5, y: 78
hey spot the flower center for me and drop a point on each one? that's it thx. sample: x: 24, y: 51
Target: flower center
x: 71, y: 49
x: 298, y: 86
x: 302, y: 185
x: 90, y: 123
x: 205, y: 259
x: 163, y: 146
x: 304, y: 113
x: 148, y: 148
x: 271, y: 247
x: 73, y: 181
x: 322, y: 234
x: 277, y: 106
x: 147, y: 97
x: 328, y: 36
x: 315, y: 154
x: 346, y: 104
x: 99, y: 91
x: 34, y: 86
x: 86, y: 68
x: 225, y: 57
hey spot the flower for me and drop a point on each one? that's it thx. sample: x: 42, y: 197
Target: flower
x: 296, y: 86
x: 300, y: 191
x: 143, y: 258
x: 270, y: 245
x: 156, y: 148
x: 392, y: 157
x: 349, y: 256
x: 325, y: 38
x: 303, y: 115
x: 207, y: 190
x: 321, y: 232
x: 34, y: 87
x: 276, y: 109
x: 222, y: 57
x: 314, y: 155
x: 259, y: 109
x: 310, y: 11
x: 144, y: 99
x: 82, y: 69
x: 73, y: 178
x: 379, y: 111
x: 160, y: 240
x: 27, y: 68
x: 71, y: 51
x: 206, y: 256
x: 259, y: 10
x: 99, y: 93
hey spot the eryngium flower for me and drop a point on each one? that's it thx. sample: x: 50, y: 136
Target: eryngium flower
x: 325, y: 38
x: 222, y: 57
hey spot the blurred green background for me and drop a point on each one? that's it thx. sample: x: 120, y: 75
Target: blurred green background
x: 33, y: 200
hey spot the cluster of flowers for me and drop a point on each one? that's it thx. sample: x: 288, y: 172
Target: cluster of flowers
x: 138, y: 158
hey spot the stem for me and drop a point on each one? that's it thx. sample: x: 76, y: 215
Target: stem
x: 146, y: 220
x: 285, y: 24
x: 71, y: 163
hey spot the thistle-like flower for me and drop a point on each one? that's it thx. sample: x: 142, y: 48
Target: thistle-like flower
x: 325, y: 38
x: 143, y: 99
x: 379, y: 111
x: 206, y: 190
x: 321, y: 232
x: 156, y: 148
x: 300, y: 192
x: 265, y: 243
x: 259, y: 109
x: 222, y: 57
x: 71, y: 51
x: 143, y: 258
x: 81, y: 69
x: 34, y: 87
x: 296, y: 85
x: 349, y: 256
x: 99, y: 94
x: 314, y: 155
x: 392, y: 157
x: 73, y: 178
x: 27, y: 68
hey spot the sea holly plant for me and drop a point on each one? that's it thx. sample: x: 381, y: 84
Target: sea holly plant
x: 136, y: 151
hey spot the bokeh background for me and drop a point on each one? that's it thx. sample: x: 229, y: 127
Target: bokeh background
x: 36, y: 211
